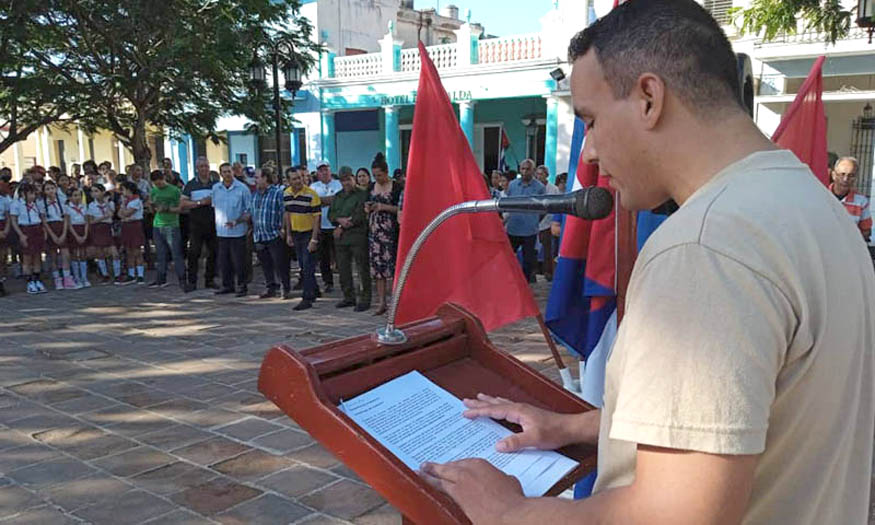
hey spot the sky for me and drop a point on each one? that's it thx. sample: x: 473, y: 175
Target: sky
x: 496, y: 16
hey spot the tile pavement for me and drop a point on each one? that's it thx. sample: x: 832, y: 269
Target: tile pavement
x: 130, y: 405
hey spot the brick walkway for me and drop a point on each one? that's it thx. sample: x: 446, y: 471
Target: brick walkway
x: 130, y: 405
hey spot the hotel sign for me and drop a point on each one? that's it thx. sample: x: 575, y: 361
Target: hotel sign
x: 410, y: 99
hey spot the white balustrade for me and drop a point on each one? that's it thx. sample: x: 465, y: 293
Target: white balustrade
x: 509, y: 49
x: 355, y: 66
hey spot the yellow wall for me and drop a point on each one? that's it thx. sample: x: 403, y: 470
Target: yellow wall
x: 218, y: 153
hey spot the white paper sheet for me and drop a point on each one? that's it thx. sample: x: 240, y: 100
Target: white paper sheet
x: 419, y: 421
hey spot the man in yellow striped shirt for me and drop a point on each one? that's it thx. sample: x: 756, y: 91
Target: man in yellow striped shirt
x: 303, y: 217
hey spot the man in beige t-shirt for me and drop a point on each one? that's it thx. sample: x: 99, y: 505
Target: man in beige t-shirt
x: 741, y: 386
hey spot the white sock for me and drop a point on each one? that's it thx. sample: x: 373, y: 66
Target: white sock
x: 83, y: 270
x: 74, y: 267
x: 101, y: 265
x: 116, y: 267
x: 131, y: 273
x: 141, y: 271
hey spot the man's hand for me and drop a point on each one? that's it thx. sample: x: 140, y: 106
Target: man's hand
x: 346, y: 222
x: 313, y: 246
x: 338, y: 233
x: 541, y: 429
x: 484, y: 492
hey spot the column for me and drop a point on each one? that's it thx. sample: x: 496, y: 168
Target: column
x: 16, y: 156
x: 551, y: 140
x: 80, y: 141
x: 38, y: 142
x: 329, y: 138
x: 121, y: 156
x: 393, y: 138
x: 390, y: 50
x: 47, y: 153
x: 466, y: 120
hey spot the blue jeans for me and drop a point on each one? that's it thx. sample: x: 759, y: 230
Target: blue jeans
x: 168, y: 240
x: 306, y: 261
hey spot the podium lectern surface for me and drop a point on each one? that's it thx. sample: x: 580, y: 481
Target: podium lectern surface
x: 453, y: 351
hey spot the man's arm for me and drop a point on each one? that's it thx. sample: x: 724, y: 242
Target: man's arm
x: 671, y: 487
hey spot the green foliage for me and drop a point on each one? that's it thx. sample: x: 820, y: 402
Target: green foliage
x: 774, y: 17
x: 131, y: 64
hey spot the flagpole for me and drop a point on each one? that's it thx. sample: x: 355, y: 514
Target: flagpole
x: 564, y: 373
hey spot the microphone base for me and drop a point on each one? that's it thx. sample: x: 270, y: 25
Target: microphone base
x: 389, y: 335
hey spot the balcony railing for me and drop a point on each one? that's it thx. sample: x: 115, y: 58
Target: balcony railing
x: 508, y: 49
x: 811, y: 37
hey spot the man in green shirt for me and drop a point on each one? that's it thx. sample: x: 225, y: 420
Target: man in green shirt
x: 168, y: 241
x: 347, y: 212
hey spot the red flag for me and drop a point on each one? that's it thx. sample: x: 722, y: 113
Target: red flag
x: 803, y: 126
x: 468, y: 260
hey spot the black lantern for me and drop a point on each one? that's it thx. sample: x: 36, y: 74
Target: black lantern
x: 867, y: 111
x: 866, y: 16
x: 293, y: 76
x: 257, y: 74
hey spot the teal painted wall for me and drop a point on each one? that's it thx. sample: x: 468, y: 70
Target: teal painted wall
x: 357, y: 148
x: 510, y: 112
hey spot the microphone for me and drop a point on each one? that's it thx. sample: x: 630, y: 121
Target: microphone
x: 589, y: 203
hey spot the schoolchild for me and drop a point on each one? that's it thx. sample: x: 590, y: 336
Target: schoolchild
x: 28, y: 216
x: 131, y: 214
x: 77, y: 236
x: 100, y: 213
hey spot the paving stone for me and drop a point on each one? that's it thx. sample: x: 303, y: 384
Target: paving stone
x: 18, y: 409
x: 346, y: 472
x: 85, y: 442
x: 297, y: 481
x: 134, y: 461
x: 173, y: 478
x: 79, y: 493
x: 147, y: 398
x: 10, y: 438
x: 344, y: 499
x: 15, y: 499
x: 174, y: 436
x: 266, y: 509
x: 383, y: 515
x: 179, y: 408
x: 14, y: 458
x: 208, y: 391
x: 283, y: 441
x: 215, y: 496
x: 211, y: 451
x: 212, y: 417
x: 142, y: 424
x: 45, y: 515
x: 51, y: 472
x: 315, y: 456
x: 248, y: 428
x: 86, y: 403
x: 252, y: 465
x: 44, y: 421
x: 129, y: 508
x: 322, y: 519
x: 179, y: 517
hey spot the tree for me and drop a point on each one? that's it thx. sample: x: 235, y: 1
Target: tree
x: 773, y: 17
x: 177, y: 64
x: 30, y: 96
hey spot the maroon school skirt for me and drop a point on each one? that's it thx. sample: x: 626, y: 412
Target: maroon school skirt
x: 132, y: 235
x: 101, y: 235
x: 57, y: 228
x: 72, y: 243
x: 36, y: 241
x: 5, y: 240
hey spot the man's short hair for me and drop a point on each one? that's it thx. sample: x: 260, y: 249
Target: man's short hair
x: 678, y: 40
x: 852, y: 160
x: 344, y: 171
x: 224, y: 164
x: 543, y: 168
x: 155, y: 175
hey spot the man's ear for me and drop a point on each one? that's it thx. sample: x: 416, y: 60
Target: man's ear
x: 650, y: 90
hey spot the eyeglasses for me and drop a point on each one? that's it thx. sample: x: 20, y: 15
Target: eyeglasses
x: 845, y: 176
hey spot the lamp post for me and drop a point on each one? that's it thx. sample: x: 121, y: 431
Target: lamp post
x: 866, y: 16
x: 281, y: 53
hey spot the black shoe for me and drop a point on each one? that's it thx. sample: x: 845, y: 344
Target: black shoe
x: 298, y: 286
x: 318, y: 293
x: 211, y: 285
x: 242, y: 292
x: 224, y: 291
x: 303, y: 305
x: 362, y: 307
x: 2, y: 290
x: 329, y: 288
x: 188, y: 288
x: 287, y: 295
x: 345, y: 304
x: 268, y: 294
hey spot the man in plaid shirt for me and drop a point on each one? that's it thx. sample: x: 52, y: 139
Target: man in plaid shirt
x: 844, y: 177
x: 267, y: 225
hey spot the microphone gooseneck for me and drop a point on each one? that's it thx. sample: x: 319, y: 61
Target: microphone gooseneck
x: 588, y: 203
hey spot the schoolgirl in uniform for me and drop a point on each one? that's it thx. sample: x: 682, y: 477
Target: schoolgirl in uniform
x: 131, y: 213
x: 57, y: 226
x: 5, y: 228
x: 77, y: 236
x: 100, y: 213
x: 28, y: 216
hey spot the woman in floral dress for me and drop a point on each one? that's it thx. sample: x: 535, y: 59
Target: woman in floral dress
x: 382, y: 208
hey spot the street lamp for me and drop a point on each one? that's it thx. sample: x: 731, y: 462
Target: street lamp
x: 279, y: 50
x: 866, y: 16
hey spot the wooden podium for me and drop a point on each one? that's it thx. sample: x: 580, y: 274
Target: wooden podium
x: 452, y: 350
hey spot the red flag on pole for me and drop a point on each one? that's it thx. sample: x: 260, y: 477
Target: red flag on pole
x: 803, y: 126
x: 468, y: 260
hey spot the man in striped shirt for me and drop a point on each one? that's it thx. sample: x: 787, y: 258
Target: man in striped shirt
x: 844, y: 177
x: 267, y: 227
x: 303, y: 225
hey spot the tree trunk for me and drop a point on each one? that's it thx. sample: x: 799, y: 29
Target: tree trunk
x: 140, y: 147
